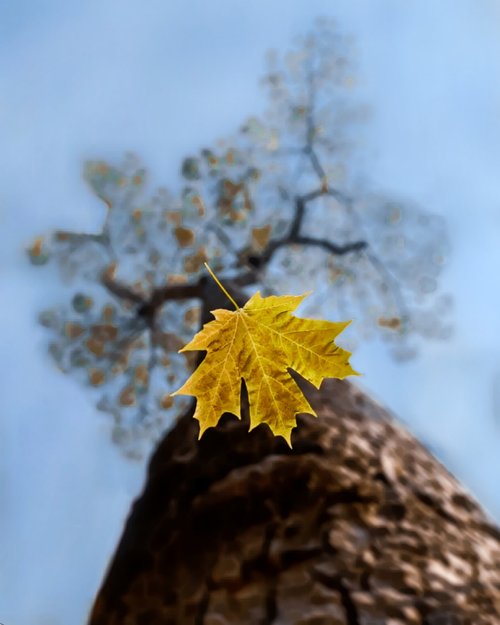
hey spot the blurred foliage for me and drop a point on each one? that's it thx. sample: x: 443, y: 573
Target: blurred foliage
x: 264, y: 200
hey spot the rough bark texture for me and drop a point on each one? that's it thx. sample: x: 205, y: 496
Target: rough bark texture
x: 357, y: 525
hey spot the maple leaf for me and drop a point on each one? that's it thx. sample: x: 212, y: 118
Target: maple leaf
x: 259, y: 343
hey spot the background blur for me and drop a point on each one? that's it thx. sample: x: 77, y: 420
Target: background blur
x: 99, y: 78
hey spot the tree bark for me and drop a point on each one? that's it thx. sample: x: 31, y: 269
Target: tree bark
x: 358, y: 524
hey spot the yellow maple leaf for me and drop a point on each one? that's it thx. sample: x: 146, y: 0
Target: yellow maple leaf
x: 259, y: 343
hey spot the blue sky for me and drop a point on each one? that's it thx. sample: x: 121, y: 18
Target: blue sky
x: 96, y: 79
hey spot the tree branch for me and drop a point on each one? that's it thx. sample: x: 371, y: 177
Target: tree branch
x: 315, y: 162
x: 205, y: 290
x: 333, y: 248
x: 294, y: 236
x: 81, y: 237
x: 391, y: 283
x: 301, y: 202
x: 120, y: 290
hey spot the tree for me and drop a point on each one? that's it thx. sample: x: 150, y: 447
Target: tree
x: 357, y: 524
x: 277, y: 205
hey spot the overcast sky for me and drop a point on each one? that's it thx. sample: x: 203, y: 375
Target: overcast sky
x: 98, y: 78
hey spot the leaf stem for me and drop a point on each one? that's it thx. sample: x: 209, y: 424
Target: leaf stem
x: 221, y: 287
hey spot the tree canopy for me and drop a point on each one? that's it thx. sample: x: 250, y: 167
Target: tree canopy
x: 277, y: 204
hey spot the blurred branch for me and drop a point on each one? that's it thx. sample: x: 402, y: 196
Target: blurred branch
x: 120, y: 290
x: 157, y: 297
x: 78, y: 239
x: 333, y: 248
x: 294, y: 236
x: 390, y: 282
x: 81, y: 237
x: 204, y: 290
x: 311, y: 128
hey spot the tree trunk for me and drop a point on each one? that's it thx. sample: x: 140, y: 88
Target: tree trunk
x: 356, y: 525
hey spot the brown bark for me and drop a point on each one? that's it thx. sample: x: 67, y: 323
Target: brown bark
x: 356, y: 525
